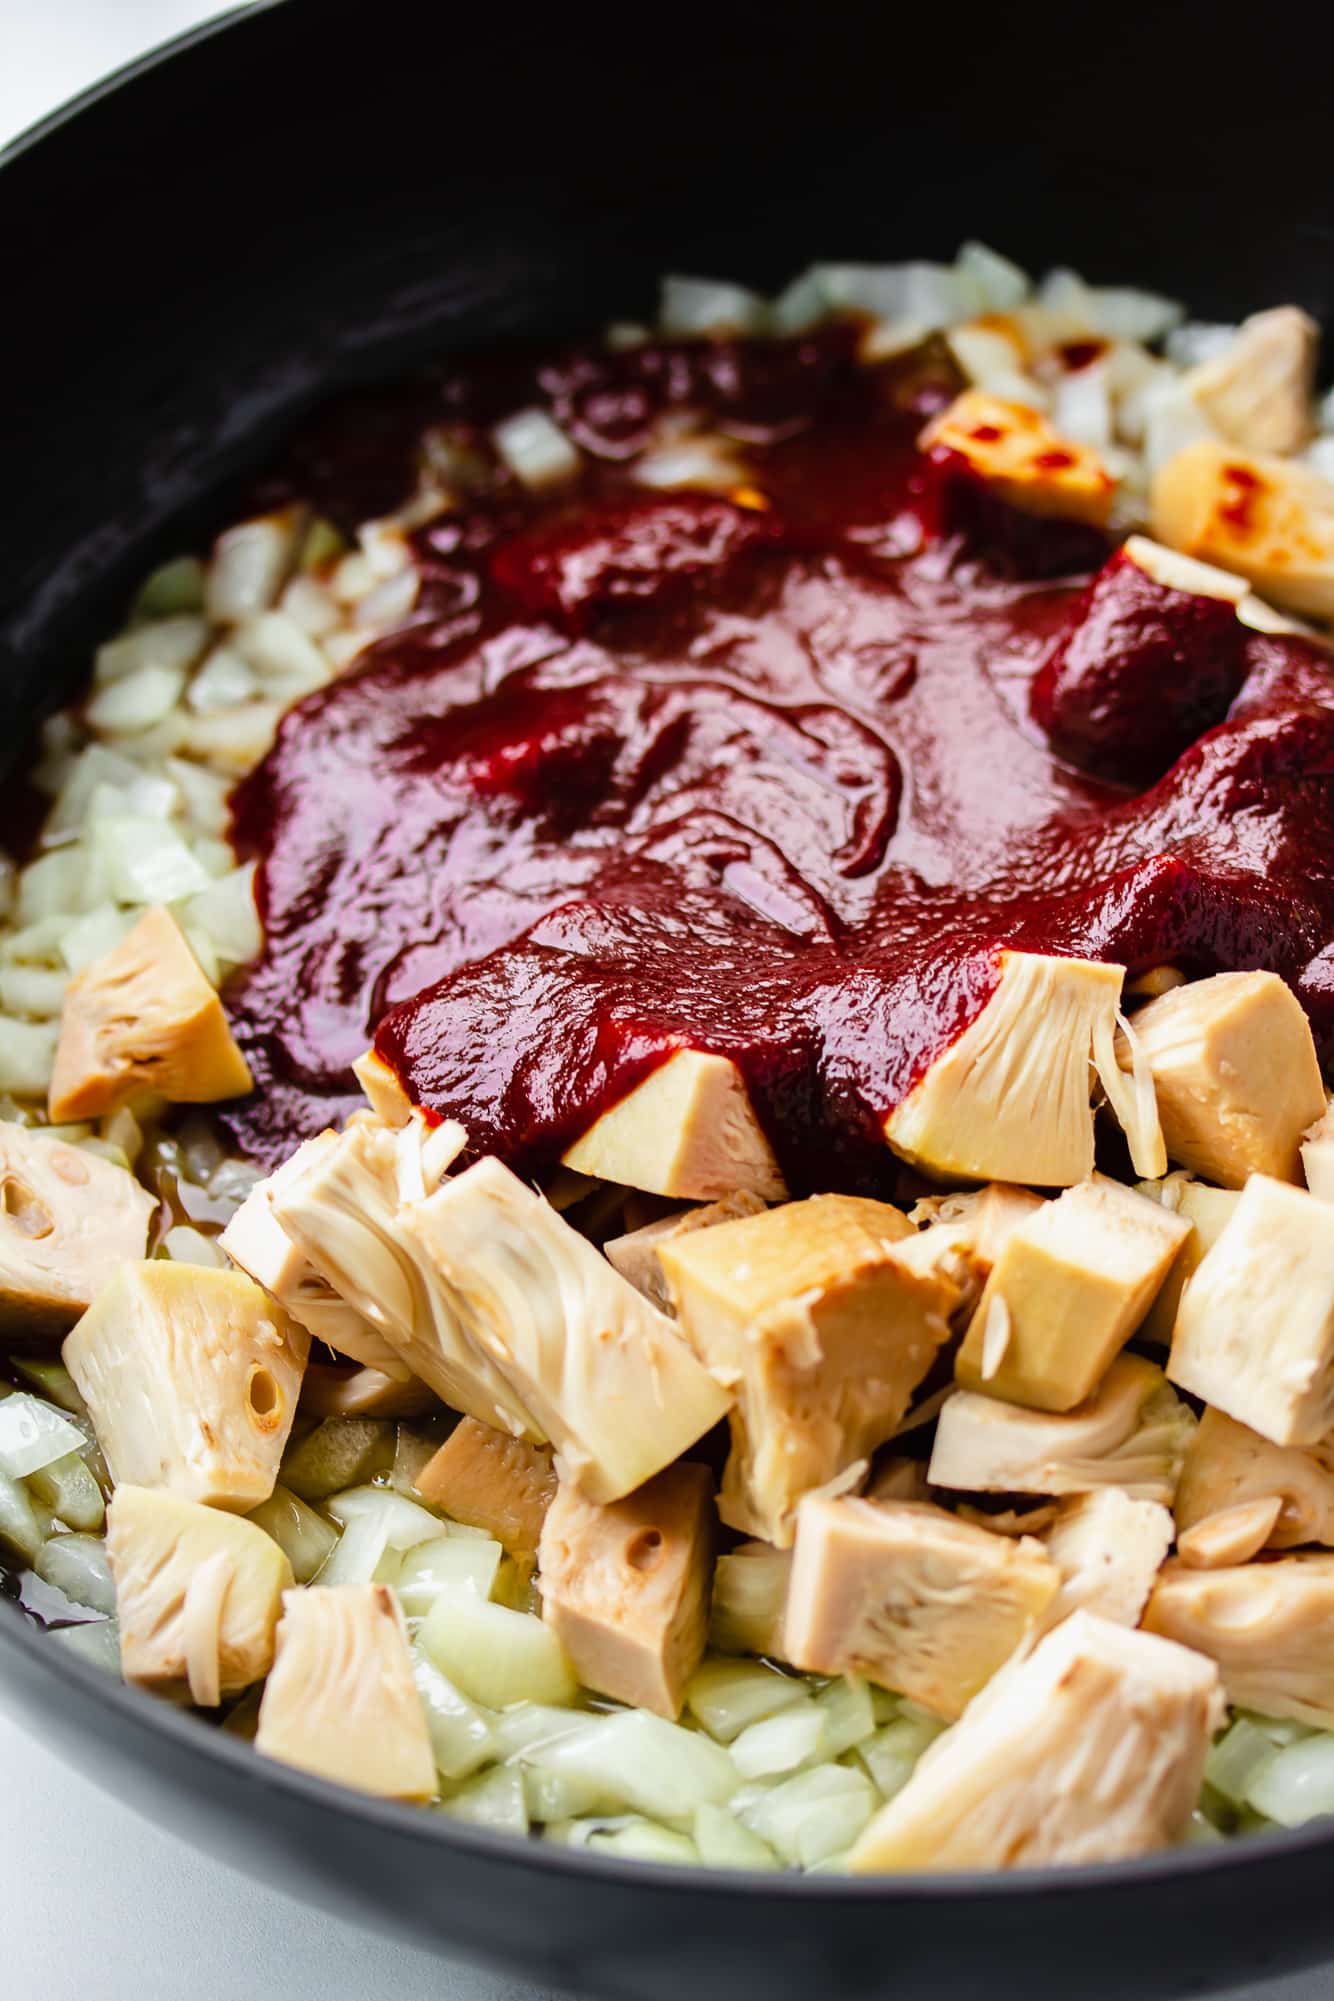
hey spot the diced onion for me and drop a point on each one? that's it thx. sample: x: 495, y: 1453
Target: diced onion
x: 187, y: 1246
x: 642, y: 1841
x: 814, y: 1816
x: 77, y: 1565
x: 780, y: 1743
x: 446, y: 1563
x: 27, y: 1052
x: 148, y: 862
x: 170, y: 643
x: 644, y: 1763
x: 1001, y: 284
x: 390, y: 601
x: 91, y: 937
x: 133, y: 704
x: 286, y: 659
x: 724, y: 1843
x: 1295, y: 1784
x: 847, y: 1715
x: 726, y: 1696
x: 32, y: 1434
x: 891, y: 1755
x: 223, y: 682
x: 226, y: 913
x: 32, y: 990
x: 22, y: 1529
x: 1198, y: 341
x: 461, y: 1736
x: 691, y: 306
x: 535, y: 448
x: 249, y: 565
x: 405, y: 1524
x: 1237, y: 1759
x: 97, y: 1642
x: 494, y: 1800
x: 495, y: 1655
x: 177, y: 586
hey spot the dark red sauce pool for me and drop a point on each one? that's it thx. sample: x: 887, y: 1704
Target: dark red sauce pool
x: 772, y: 776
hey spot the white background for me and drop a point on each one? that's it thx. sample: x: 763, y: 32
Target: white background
x: 99, y: 1906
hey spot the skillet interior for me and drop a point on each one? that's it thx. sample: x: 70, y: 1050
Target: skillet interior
x: 307, y: 195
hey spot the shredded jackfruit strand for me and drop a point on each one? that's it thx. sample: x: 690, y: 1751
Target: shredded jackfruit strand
x: 1132, y: 1098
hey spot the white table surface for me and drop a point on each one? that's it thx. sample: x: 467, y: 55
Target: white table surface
x: 103, y: 1906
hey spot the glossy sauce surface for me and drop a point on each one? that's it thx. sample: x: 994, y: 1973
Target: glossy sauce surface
x: 769, y: 772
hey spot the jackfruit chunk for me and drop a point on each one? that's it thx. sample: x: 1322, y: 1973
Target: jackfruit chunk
x: 1255, y: 1330
x: 68, y: 1221
x: 1259, y: 391
x: 191, y: 1376
x: 1021, y: 457
x: 635, y: 1255
x: 626, y: 1587
x: 1010, y: 1099
x: 488, y: 1480
x: 1207, y: 1211
x: 988, y: 1216
x: 1269, y: 1626
x: 910, y: 1597
x: 1236, y: 1075
x: 1090, y: 1747
x: 384, y: 1094
x: 1132, y: 1433
x: 612, y: 1383
x: 810, y: 1314
x: 1229, y: 1466
x: 346, y: 1209
x: 1270, y: 519
x: 1234, y: 1535
x: 1069, y: 1289
x: 341, y: 1700
x: 1318, y: 1157
x: 198, y: 1595
x: 1108, y: 1549
x: 688, y: 1130
x: 143, y: 1018
x: 255, y: 1240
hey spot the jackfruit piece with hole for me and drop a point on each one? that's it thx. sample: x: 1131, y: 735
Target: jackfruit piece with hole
x: 488, y: 1480
x: 198, y: 1595
x: 1236, y: 1075
x: 1022, y: 457
x: 688, y: 1130
x: 822, y: 1330
x: 256, y: 1241
x: 1207, y: 1211
x: 347, y: 1210
x: 1089, y: 1748
x: 1132, y: 1433
x: 1230, y: 1466
x: 1259, y: 392
x: 191, y: 1376
x: 1269, y: 1626
x: 1108, y: 1549
x: 1254, y: 1334
x: 626, y: 1587
x: 68, y: 1221
x: 1009, y: 1100
x: 342, y: 1701
x: 1069, y: 1289
x: 635, y: 1255
x: 143, y: 1018
x: 611, y: 1381
x: 911, y: 1598
x: 1268, y: 518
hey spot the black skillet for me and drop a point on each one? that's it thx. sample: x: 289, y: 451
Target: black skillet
x: 310, y: 194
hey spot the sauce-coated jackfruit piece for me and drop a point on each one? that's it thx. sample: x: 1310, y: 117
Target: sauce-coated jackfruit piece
x: 1108, y: 1549
x: 1236, y: 1075
x: 626, y: 1587
x: 1132, y: 1433
x: 68, y: 1221
x: 1254, y: 1334
x: 635, y: 1255
x: 911, y: 1597
x: 1270, y: 519
x: 255, y: 1240
x: 821, y: 1328
x: 1088, y: 1748
x: 1259, y: 392
x: 1269, y: 1626
x: 1207, y: 1212
x: 611, y: 1381
x: 1229, y: 1466
x: 143, y: 1018
x: 1010, y: 1099
x: 346, y: 1210
x: 1069, y: 1289
x: 1021, y: 457
x: 489, y: 1480
x: 192, y: 1377
x: 688, y: 1130
x: 198, y: 1595
x: 341, y: 1700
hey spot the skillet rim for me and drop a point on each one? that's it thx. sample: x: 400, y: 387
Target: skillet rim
x: 86, y: 1683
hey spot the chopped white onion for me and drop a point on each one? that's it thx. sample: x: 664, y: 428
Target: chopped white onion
x: 711, y: 463
x: 32, y: 990
x: 97, y: 1642
x: 1083, y: 406
x: 727, y: 1695
x: 33, y: 1434
x: 224, y: 681
x: 91, y: 937
x: 724, y: 1843
x: 814, y: 1816
x: 535, y: 448
x: 187, y: 1246
x: 389, y: 602
x: 1001, y: 284
x: 446, y: 1563
x: 226, y: 913
x: 690, y: 306
x: 133, y: 704
x: 461, y: 1736
x: 77, y: 1565
x: 147, y: 862
x: 640, y: 1761
x: 250, y: 563
x: 172, y: 644
x: 780, y: 1743
x: 308, y: 604
x: 1295, y: 1784
x: 281, y: 654
x: 1198, y: 341
x: 27, y: 1052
